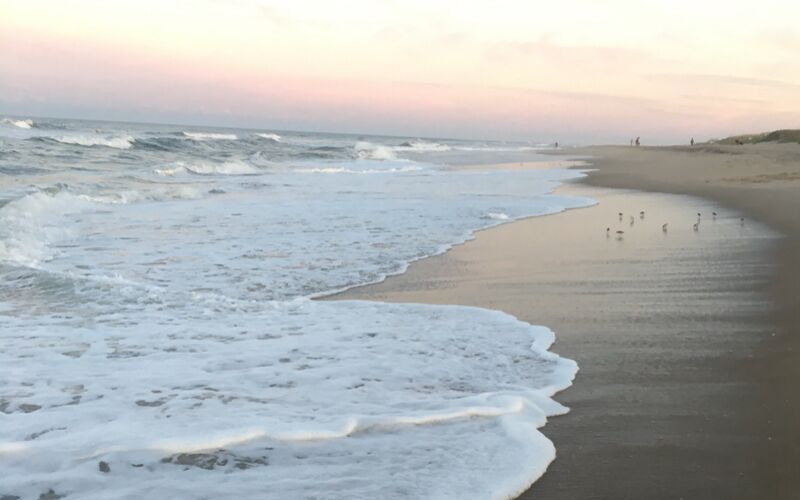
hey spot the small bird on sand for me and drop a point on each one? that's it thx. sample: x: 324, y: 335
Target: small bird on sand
x: 699, y: 215
x: 632, y: 220
x: 641, y: 214
x: 741, y: 220
x: 696, y: 226
x: 664, y: 227
x: 620, y: 216
x: 619, y: 234
x: 608, y: 231
x: 713, y: 214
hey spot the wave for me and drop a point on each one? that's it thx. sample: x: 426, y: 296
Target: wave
x: 345, y: 170
x: 210, y: 136
x: 26, y: 124
x: 261, y: 160
x: 422, y: 146
x: 227, y: 168
x: 28, y: 225
x: 116, y: 142
x: 271, y: 137
x: 160, y: 143
x: 324, y: 153
x: 369, y: 151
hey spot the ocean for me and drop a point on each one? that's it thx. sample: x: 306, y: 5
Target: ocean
x: 160, y: 338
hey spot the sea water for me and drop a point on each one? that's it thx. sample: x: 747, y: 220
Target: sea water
x: 159, y: 337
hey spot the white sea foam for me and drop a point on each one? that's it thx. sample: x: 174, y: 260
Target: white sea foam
x: 346, y: 170
x: 422, y: 146
x: 368, y: 399
x: 270, y: 136
x: 497, y: 216
x: 31, y: 223
x: 226, y: 168
x: 210, y: 136
x: 26, y: 124
x: 117, y: 142
x: 153, y: 193
x: 369, y: 151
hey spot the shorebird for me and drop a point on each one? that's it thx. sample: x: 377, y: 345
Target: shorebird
x: 664, y: 227
x: 632, y: 220
x: 696, y: 226
x: 713, y: 214
x: 698, y: 215
x: 619, y: 234
x: 620, y: 216
x: 741, y: 220
x: 608, y: 232
x: 641, y: 214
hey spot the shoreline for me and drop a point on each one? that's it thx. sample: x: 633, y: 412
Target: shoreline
x: 764, y: 464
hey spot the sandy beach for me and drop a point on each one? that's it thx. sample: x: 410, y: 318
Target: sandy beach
x: 686, y: 340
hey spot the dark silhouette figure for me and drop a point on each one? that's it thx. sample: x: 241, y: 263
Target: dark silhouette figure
x: 637, y: 141
x: 691, y: 143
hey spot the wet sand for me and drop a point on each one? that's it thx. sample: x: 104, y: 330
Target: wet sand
x: 685, y: 340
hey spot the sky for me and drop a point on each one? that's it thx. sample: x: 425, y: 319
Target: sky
x: 578, y: 71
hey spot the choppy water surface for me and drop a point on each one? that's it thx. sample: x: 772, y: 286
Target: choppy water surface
x: 159, y: 338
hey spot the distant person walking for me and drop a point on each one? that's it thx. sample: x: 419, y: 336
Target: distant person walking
x: 691, y: 143
x: 637, y: 141
x: 556, y: 144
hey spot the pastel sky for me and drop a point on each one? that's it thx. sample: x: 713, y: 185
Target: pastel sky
x: 575, y: 70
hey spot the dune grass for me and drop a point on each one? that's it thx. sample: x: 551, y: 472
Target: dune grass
x: 785, y: 135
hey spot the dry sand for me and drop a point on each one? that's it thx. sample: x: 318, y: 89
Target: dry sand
x: 687, y: 341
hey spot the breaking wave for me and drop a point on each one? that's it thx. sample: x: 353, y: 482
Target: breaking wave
x: 227, y: 168
x: 369, y: 151
x: 210, y: 136
x: 26, y: 124
x: 422, y: 146
x: 271, y: 137
x: 116, y: 142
